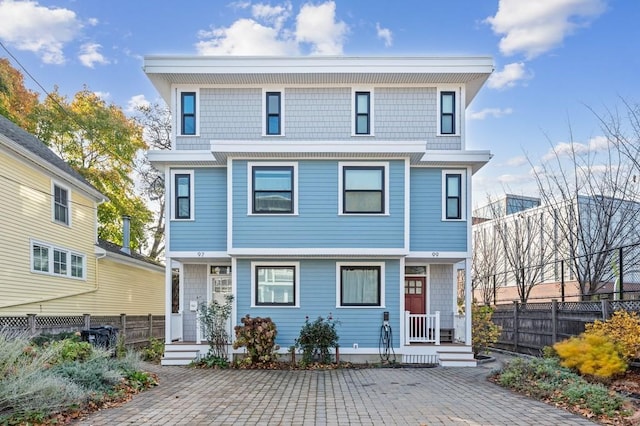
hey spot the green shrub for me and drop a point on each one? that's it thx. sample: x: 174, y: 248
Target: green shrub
x: 483, y: 331
x: 315, y: 340
x: 258, y: 336
x: 213, y: 319
x: 47, y: 338
x: 71, y: 350
x: 140, y: 380
x: 623, y: 329
x: 154, y: 351
x: 96, y: 375
x: 591, y: 354
x: 212, y: 361
x: 595, y: 397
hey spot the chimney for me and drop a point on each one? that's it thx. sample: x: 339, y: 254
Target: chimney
x: 126, y: 234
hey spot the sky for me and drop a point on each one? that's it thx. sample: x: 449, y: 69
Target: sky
x: 559, y: 64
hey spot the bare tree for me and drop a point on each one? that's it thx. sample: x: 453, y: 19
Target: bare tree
x: 485, y: 262
x: 592, y: 189
x: 156, y: 121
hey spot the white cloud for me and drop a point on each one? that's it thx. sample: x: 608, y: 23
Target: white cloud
x: 317, y: 25
x: 44, y: 31
x: 384, y: 34
x: 135, y: 102
x: 239, y: 4
x: 510, y: 75
x: 90, y: 56
x: 245, y: 37
x: 93, y: 21
x: 567, y: 149
x: 535, y: 27
x: 105, y: 96
x: 518, y: 161
x: 266, y: 33
x: 490, y: 112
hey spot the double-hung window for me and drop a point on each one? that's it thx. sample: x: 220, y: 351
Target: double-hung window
x: 363, y: 113
x: 61, y: 204
x: 272, y: 189
x: 273, y: 113
x: 360, y: 284
x: 188, y: 113
x: 51, y: 260
x: 275, y: 285
x: 453, y: 194
x: 363, y: 189
x: 448, y: 113
x: 182, y: 190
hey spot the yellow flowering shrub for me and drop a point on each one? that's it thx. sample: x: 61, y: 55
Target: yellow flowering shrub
x: 591, y: 354
x: 623, y: 328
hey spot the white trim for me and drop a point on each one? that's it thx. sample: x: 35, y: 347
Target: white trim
x: 457, y: 117
x: 128, y: 260
x: 463, y: 118
x: 251, y: 165
x: 300, y: 251
x: 234, y: 291
x: 172, y: 201
x: 438, y: 255
x: 342, y: 165
x: 468, y: 302
x: 55, y: 183
x: 50, y: 250
x: 178, y: 119
x: 296, y: 278
x: 203, y: 255
x: 407, y: 205
x: 382, y: 266
x: 278, y: 89
x: 168, y: 282
x: 401, y: 321
x: 463, y: 194
x: 229, y: 203
x: 370, y: 90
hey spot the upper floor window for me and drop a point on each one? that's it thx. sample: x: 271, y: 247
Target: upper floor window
x: 182, y: 190
x: 453, y: 199
x: 448, y: 113
x: 272, y: 188
x: 61, y: 204
x: 360, y: 284
x: 188, y: 113
x: 363, y: 188
x: 273, y: 105
x: 53, y: 260
x: 363, y: 113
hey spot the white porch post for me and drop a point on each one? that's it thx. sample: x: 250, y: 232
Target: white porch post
x: 468, y: 299
x: 168, y: 282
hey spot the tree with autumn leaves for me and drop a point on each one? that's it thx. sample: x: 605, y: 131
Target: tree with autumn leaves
x: 95, y: 138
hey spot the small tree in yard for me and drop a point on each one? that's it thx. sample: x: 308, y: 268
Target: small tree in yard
x: 315, y: 340
x: 213, y: 320
x: 484, y: 331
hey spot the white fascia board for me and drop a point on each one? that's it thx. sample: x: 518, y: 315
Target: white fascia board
x: 200, y: 255
x: 352, y: 146
x: 475, y: 159
x: 325, y: 252
x: 162, y: 157
x: 438, y: 256
x: 121, y: 258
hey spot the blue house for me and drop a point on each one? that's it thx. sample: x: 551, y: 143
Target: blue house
x: 316, y: 186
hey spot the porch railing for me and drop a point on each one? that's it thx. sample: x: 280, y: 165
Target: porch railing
x: 176, y: 327
x: 422, y: 328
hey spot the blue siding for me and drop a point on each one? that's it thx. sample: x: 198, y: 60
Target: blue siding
x: 428, y: 231
x: 209, y: 229
x: 318, y: 223
x: 318, y: 298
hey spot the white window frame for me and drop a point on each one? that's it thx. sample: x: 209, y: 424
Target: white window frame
x: 266, y: 90
x: 342, y: 165
x: 339, y: 266
x: 53, y: 203
x: 296, y: 278
x: 295, y: 189
x: 192, y: 185
x: 371, y: 111
x: 178, y: 120
x: 463, y: 194
x: 456, y: 114
x: 51, y: 248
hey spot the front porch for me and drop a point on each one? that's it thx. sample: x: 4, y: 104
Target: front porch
x: 423, y: 342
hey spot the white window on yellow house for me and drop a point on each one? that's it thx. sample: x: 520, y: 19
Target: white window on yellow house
x: 61, y: 205
x: 57, y: 261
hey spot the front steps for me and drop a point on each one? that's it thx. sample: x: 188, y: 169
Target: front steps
x: 457, y: 356
x: 180, y: 354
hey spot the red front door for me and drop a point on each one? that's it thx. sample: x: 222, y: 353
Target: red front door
x: 415, y: 295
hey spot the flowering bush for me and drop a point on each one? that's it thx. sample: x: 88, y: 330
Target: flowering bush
x: 258, y: 335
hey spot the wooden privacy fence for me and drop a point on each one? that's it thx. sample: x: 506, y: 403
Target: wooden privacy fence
x: 529, y: 327
x: 135, y: 329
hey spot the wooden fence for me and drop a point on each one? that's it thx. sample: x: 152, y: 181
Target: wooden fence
x: 529, y: 327
x: 135, y: 329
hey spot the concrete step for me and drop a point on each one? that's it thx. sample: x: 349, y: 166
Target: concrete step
x: 176, y: 361
x: 458, y: 363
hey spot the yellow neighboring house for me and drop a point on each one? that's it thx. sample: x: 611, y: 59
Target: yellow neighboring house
x: 51, y: 262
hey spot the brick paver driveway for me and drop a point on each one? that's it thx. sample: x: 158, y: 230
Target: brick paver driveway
x: 407, y: 396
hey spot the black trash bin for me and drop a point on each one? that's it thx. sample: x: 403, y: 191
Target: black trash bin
x: 105, y: 337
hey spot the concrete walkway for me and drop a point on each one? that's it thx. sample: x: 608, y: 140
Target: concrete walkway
x: 377, y: 396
